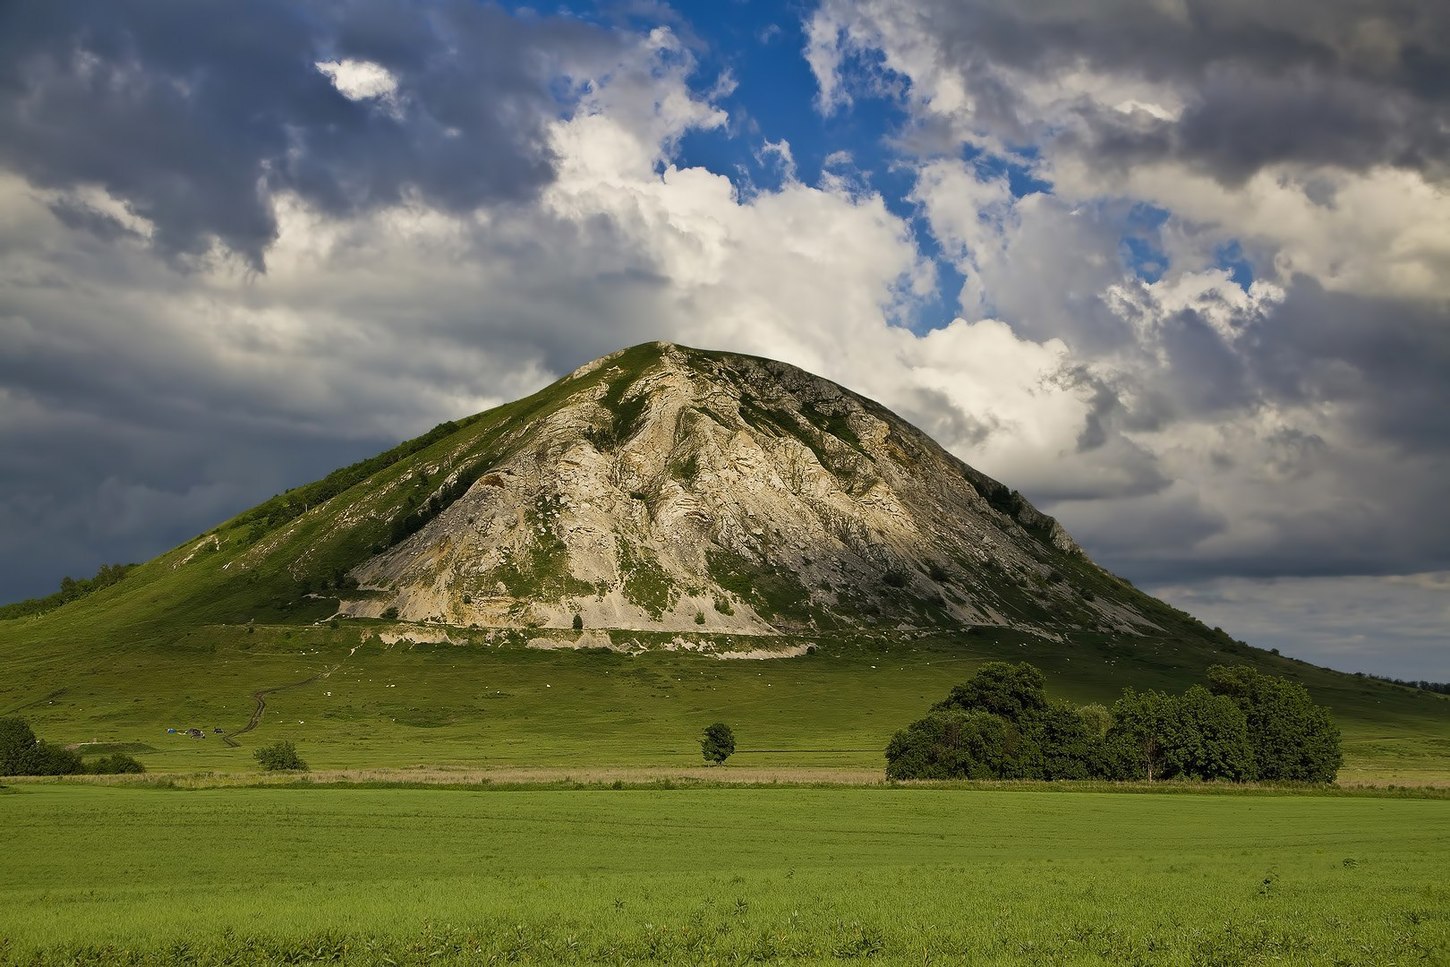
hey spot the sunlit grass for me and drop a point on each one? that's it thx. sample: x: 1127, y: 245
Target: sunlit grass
x: 713, y: 875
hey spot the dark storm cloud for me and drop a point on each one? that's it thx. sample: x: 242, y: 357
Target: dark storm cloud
x: 1338, y: 82
x: 1389, y: 357
x: 194, y: 113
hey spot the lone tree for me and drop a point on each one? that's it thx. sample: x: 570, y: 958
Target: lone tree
x: 717, y: 744
x: 578, y: 621
x: 280, y: 757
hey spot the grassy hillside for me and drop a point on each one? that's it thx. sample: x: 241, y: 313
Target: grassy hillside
x: 502, y: 704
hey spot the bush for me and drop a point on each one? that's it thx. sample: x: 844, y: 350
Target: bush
x: 1196, y: 735
x: 1011, y: 691
x: 280, y: 757
x: 952, y: 744
x: 390, y: 613
x: 22, y: 754
x: 718, y: 743
x: 1293, y: 739
x: 49, y: 759
x: 17, y: 745
x: 117, y: 763
x: 578, y: 622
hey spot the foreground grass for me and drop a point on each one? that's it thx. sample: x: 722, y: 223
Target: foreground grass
x: 718, y: 875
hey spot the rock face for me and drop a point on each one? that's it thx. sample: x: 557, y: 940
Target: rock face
x: 672, y: 489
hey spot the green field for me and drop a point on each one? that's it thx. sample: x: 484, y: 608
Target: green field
x: 719, y: 875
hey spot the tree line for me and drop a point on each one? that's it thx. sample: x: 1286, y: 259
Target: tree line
x: 1244, y: 726
x: 71, y: 589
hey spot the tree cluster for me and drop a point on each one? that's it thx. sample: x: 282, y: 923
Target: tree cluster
x: 1000, y: 725
x: 1439, y: 688
x: 22, y: 754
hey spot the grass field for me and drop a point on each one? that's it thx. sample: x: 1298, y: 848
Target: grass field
x: 718, y: 875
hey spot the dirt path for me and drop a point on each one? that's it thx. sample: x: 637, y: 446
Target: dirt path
x: 260, y: 697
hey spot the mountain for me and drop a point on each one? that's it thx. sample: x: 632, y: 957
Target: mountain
x: 669, y: 489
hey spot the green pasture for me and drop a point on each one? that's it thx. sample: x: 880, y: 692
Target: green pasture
x: 503, y: 705
x: 718, y: 875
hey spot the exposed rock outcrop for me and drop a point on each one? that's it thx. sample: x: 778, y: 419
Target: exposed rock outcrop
x: 671, y: 489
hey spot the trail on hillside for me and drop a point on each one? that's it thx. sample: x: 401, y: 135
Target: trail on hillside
x: 260, y: 697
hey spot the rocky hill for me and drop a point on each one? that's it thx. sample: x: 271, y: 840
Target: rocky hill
x: 659, y: 488
x: 674, y: 489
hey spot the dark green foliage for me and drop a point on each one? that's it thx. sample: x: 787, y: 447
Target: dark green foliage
x: 1057, y: 744
x: 718, y: 743
x: 1196, y: 735
x: 1011, y: 691
x: 17, y: 744
x: 279, y: 757
x: 1145, y: 728
x: 22, y: 754
x: 953, y: 744
x: 578, y: 622
x: 1293, y: 739
x: 71, y: 589
x: 49, y: 759
x: 117, y: 763
x: 999, y: 724
x: 390, y: 613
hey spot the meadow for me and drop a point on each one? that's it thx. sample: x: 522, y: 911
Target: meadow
x: 103, y: 874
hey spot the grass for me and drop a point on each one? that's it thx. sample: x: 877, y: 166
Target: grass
x: 899, y: 875
x: 497, y: 705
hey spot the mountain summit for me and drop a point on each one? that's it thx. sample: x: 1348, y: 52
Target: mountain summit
x: 675, y: 489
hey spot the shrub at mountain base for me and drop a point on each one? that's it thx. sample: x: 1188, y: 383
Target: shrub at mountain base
x: 1001, y: 725
x: 115, y: 764
x: 280, y: 757
x: 22, y: 754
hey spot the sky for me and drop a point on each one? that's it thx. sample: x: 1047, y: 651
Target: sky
x: 1178, y: 270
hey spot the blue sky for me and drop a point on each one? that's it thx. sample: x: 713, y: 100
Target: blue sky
x: 1175, y: 271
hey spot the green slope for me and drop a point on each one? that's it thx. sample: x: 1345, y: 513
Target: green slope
x: 186, y: 639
